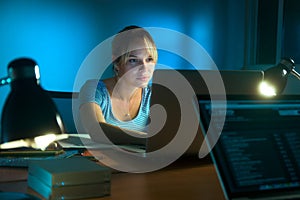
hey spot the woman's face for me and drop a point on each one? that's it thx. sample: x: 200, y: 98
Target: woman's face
x: 138, y: 69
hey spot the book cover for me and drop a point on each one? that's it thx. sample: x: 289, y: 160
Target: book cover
x: 69, y: 171
x: 69, y: 192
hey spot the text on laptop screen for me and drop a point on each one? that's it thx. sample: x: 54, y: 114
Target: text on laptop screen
x: 259, y: 147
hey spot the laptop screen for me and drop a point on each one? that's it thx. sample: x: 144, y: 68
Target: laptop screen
x: 258, y: 151
x: 235, y: 82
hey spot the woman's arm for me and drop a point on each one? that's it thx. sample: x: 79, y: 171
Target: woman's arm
x: 90, y: 114
x: 91, y: 118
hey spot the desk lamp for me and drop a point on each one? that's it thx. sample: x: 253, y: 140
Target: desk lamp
x: 275, y: 78
x: 29, y: 116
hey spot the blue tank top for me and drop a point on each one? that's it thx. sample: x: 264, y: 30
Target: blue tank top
x: 95, y: 91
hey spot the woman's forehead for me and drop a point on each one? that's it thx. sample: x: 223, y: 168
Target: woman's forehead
x: 139, y: 52
x: 137, y: 44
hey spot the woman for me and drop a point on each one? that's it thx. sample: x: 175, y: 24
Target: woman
x: 123, y: 100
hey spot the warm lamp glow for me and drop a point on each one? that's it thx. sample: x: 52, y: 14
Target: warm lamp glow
x: 267, y: 89
x: 39, y: 142
x: 42, y: 142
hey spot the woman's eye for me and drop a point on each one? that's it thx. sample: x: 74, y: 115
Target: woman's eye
x: 149, y: 59
x: 133, y: 60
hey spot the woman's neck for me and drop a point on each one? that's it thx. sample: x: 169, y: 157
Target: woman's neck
x: 124, y: 92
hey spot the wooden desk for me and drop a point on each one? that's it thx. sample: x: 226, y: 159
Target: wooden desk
x: 184, y: 179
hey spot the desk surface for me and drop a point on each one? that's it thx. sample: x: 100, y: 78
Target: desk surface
x: 184, y: 179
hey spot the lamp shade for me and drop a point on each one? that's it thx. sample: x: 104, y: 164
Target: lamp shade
x: 29, y: 111
x: 275, y: 78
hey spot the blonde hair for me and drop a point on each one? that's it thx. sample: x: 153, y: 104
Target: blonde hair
x: 123, y: 44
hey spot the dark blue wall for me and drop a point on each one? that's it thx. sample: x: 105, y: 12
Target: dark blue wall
x: 59, y: 34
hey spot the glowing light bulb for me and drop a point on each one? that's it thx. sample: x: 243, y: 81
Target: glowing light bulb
x: 267, y: 89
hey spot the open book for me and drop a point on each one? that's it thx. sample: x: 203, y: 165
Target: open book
x: 123, y: 138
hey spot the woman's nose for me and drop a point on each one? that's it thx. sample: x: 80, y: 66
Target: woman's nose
x: 143, y: 65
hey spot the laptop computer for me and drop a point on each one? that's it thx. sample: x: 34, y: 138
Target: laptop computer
x: 257, y: 153
x: 63, y: 103
x: 240, y: 82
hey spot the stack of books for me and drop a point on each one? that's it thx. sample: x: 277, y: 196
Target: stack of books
x: 69, y: 178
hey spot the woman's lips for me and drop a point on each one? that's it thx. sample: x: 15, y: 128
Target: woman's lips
x: 143, y: 78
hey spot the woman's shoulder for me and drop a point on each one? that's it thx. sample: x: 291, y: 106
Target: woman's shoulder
x: 93, y: 86
x: 148, y: 90
x: 109, y: 83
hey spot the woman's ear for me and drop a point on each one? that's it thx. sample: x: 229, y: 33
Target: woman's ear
x: 116, y: 69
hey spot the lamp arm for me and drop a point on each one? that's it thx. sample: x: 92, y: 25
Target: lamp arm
x: 295, y: 73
